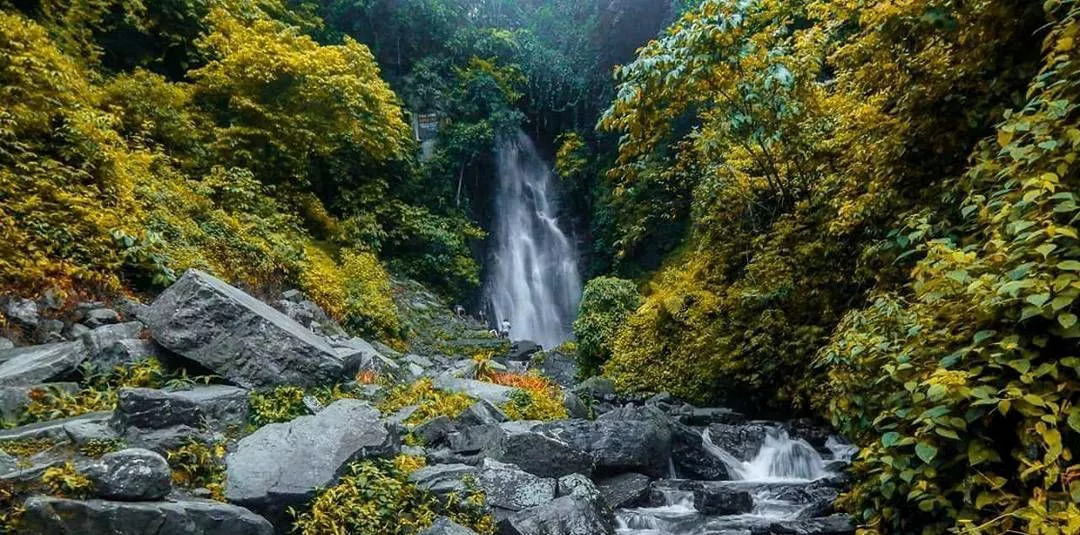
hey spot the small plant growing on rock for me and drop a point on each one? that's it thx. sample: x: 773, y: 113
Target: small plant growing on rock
x: 197, y: 465
x: 538, y: 399
x: 97, y: 447
x: 431, y: 401
x: 26, y: 447
x: 376, y: 498
x: 66, y: 482
x: 281, y: 404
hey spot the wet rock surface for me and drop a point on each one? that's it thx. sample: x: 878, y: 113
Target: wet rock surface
x: 642, y: 464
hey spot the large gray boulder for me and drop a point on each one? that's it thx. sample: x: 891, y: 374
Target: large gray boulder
x: 130, y: 475
x: 625, y: 440
x: 40, y: 364
x: 445, y: 526
x: 743, y: 441
x: 237, y: 336
x: 508, y: 487
x: 537, y: 453
x: 569, y: 515
x: 59, y: 516
x: 281, y: 465
x: 720, y: 500
x: 625, y: 490
x: 691, y: 459
x: 214, y: 406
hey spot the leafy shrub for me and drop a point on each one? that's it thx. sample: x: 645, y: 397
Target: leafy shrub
x: 605, y: 305
x: 197, y: 465
x: 431, y: 401
x: 26, y: 447
x: 66, y: 482
x: 282, y: 404
x: 370, y: 305
x: 539, y: 398
x: 376, y: 498
x: 99, y: 392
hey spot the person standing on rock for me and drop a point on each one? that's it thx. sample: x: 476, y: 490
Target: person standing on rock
x: 506, y: 329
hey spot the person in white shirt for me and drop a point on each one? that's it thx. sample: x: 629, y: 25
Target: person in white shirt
x: 506, y: 329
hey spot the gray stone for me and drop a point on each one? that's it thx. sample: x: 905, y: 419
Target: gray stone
x: 443, y: 479
x: 239, y: 337
x: 742, y: 440
x: 558, y: 367
x: 575, y: 407
x: 569, y: 515
x: 522, y: 350
x: 8, y: 463
x: 169, y: 438
x: 40, y: 364
x: 52, y: 429
x: 445, y: 526
x: 434, y: 431
x: 130, y: 475
x: 480, y: 413
x: 712, y: 500
x: 471, y: 440
x: 423, y: 362
x: 490, y: 392
x: 708, y: 416
x: 128, y: 352
x: 76, y: 331
x: 22, y: 312
x: 82, y: 433
x: 595, y: 388
x: 147, y: 408
x: 830, y: 525
x: 280, y: 465
x: 104, y: 336
x: 49, y: 331
x: 293, y: 296
x: 537, y: 453
x: 6, y: 344
x: 578, y: 485
x: 691, y: 459
x: 625, y: 490
x: 59, y: 516
x: 625, y: 440
x: 100, y: 316
x: 508, y: 487
x: 15, y: 399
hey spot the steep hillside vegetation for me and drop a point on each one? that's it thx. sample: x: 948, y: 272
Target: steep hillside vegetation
x: 881, y: 228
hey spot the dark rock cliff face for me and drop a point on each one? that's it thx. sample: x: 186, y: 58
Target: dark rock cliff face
x: 639, y: 463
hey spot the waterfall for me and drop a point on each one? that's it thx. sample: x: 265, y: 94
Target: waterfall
x: 780, y: 458
x: 533, y: 280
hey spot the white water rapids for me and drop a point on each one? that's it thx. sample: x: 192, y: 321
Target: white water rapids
x: 533, y: 280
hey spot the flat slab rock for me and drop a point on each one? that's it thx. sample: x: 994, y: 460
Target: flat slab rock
x: 216, y: 406
x: 40, y: 364
x: 58, y: 516
x: 281, y: 464
x: 237, y: 336
x: 490, y: 392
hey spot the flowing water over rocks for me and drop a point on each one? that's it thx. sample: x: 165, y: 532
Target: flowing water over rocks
x: 621, y: 464
x: 533, y: 280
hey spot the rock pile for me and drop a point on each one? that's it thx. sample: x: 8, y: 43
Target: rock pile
x: 631, y: 464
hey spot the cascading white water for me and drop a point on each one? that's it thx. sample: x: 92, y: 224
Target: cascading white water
x: 780, y: 458
x: 533, y: 280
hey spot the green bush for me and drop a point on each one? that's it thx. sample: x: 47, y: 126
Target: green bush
x: 605, y: 305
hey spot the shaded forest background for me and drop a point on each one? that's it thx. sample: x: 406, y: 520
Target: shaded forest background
x: 860, y: 210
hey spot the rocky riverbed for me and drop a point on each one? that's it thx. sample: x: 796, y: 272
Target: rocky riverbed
x: 640, y: 464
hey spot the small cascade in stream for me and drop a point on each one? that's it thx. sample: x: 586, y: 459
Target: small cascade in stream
x: 533, y: 281
x: 780, y: 458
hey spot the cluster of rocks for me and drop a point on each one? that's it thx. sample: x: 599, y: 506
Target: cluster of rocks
x: 567, y: 477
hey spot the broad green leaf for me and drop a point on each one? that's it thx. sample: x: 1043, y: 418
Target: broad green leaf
x: 926, y: 452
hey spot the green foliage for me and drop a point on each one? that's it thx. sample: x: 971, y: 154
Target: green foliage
x: 431, y: 402
x: 376, y: 498
x: 605, y: 305
x: 98, y: 392
x: 197, y: 465
x: 849, y: 210
x: 279, y: 405
x: 27, y: 447
x: 66, y: 481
